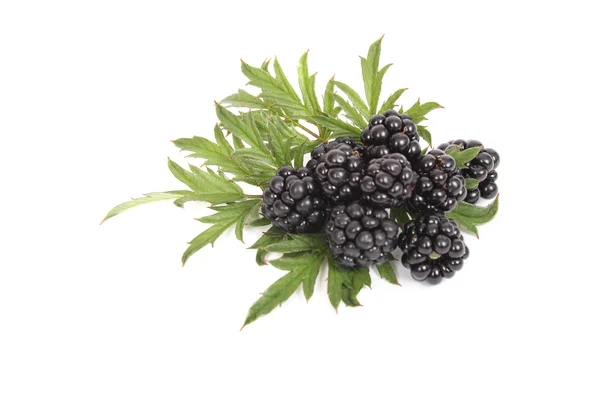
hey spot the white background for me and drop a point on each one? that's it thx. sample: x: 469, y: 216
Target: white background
x: 91, y: 93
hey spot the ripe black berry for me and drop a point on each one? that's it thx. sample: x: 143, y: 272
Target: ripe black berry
x: 438, y: 186
x: 360, y: 235
x: 292, y: 201
x: 387, y: 181
x: 482, y: 167
x: 433, y: 248
x: 391, y: 132
x: 338, y: 168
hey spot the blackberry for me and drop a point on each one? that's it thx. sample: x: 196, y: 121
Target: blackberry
x: 391, y: 132
x: 483, y: 168
x: 292, y: 201
x: 360, y: 235
x: 387, y: 181
x: 338, y: 168
x: 438, y: 185
x: 433, y: 248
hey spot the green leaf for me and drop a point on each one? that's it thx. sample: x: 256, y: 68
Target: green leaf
x: 260, y: 222
x: 244, y: 99
x: 307, y: 87
x: 370, y: 73
x: 391, y: 101
x: 244, y: 129
x: 146, y: 199
x: 355, y: 98
x: 425, y: 134
x: 225, y: 216
x: 224, y: 145
x: 304, y: 242
x: 400, y: 215
x: 328, y: 101
x: 465, y: 224
x: 265, y: 65
x: 462, y: 157
x: 377, y: 84
x: 334, y: 283
x: 335, y: 125
x: 469, y: 216
x: 207, y: 186
x: 304, y: 269
x: 418, y: 111
x: 213, y: 153
x: 471, y: 183
x: 285, y: 83
x: 299, y: 153
x: 351, y: 113
x: 387, y: 272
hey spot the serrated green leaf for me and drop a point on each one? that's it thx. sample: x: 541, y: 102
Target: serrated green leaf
x: 334, y: 283
x: 146, y: 199
x: 304, y: 242
x: 225, y: 216
x: 328, y: 101
x: 370, y: 73
x: 355, y: 98
x: 304, y: 269
x: 386, y: 271
x: 244, y: 99
x: 471, y: 183
x: 462, y: 157
x: 212, y: 153
x: 271, y: 236
x: 306, y: 86
x: 299, y: 153
x: 464, y: 224
x: 335, y: 125
x: 377, y: 84
x: 476, y: 214
x: 418, y: 111
x: 207, y: 186
x: 224, y: 145
x: 237, y: 143
x: 243, y: 128
x: 400, y: 215
x: 351, y: 113
x: 265, y: 65
x: 260, y: 222
x: 391, y: 101
x: 425, y: 134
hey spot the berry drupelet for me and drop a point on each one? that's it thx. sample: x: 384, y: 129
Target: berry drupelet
x: 433, y: 248
x: 483, y: 168
x: 438, y: 184
x: 387, y: 181
x: 338, y: 168
x: 391, y: 132
x: 293, y: 202
x: 360, y: 235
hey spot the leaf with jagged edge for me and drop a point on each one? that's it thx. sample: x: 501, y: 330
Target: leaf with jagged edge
x: 244, y: 99
x: 328, y: 100
x: 471, y: 183
x: 303, y: 272
x: 225, y: 216
x: 372, y: 75
x: 469, y: 216
x: 272, y: 236
x: 386, y: 271
x: 335, y: 125
x: 425, y: 134
x: 207, y: 186
x: 307, y: 86
x: 344, y: 284
x: 462, y: 157
x: 355, y: 98
x: 299, y: 242
x: 390, y: 103
x: 146, y: 199
x: 351, y: 113
x: 418, y: 111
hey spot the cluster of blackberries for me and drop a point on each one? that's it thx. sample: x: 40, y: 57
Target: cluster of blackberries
x: 347, y: 185
x: 482, y: 167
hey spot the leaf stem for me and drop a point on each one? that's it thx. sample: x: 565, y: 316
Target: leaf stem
x: 253, y: 196
x: 305, y: 129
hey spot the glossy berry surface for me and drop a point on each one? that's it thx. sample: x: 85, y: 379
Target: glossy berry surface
x: 360, y: 235
x: 390, y: 133
x: 438, y: 185
x: 387, y: 181
x: 338, y: 168
x: 433, y: 248
x: 482, y: 167
x: 292, y: 201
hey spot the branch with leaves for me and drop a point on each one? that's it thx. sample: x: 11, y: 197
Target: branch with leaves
x: 267, y: 126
